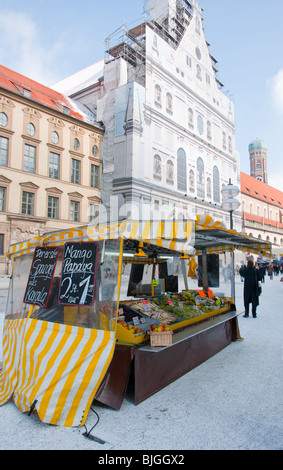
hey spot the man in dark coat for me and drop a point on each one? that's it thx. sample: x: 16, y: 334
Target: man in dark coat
x: 251, y: 276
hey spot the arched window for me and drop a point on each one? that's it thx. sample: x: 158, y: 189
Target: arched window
x: 157, y: 167
x: 230, y: 144
x: 182, y: 170
x: 258, y: 165
x: 200, y: 178
x: 216, y: 184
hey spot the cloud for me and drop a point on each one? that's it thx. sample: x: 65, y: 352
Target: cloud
x: 24, y: 50
x: 276, y: 87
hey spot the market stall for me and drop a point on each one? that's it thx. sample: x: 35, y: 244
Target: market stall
x: 78, y: 327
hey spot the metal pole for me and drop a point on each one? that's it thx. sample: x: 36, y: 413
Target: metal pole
x: 233, y: 294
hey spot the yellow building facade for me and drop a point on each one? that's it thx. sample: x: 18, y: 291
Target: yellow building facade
x: 50, y: 162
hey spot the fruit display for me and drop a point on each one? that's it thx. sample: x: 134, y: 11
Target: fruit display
x: 159, y: 328
x: 154, y: 310
x: 134, y: 329
x: 190, y: 304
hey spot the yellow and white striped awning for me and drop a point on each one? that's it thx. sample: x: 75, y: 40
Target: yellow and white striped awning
x: 185, y: 236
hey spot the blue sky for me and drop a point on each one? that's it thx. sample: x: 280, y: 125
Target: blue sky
x: 48, y: 40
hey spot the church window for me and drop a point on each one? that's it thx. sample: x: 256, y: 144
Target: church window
x: 258, y: 165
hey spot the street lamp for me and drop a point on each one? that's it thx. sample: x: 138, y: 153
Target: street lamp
x: 231, y: 204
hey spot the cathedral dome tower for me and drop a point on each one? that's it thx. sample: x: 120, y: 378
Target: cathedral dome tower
x: 258, y: 160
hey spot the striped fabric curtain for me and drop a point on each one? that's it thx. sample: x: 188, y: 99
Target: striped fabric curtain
x: 54, y: 368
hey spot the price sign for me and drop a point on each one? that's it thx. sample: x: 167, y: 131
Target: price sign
x: 78, y: 274
x: 41, y: 276
x: 202, y: 294
x: 210, y: 294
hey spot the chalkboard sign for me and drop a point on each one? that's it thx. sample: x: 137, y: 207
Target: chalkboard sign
x: 41, y: 276
x: 78, y: 273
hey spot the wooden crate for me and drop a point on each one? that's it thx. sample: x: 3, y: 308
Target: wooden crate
x: 161, y: 338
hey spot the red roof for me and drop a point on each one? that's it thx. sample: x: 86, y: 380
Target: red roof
x: 17, y: 83
x: 260, y: 220
x: 262, y: 191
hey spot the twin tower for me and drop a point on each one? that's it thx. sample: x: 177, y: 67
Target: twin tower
x: 258, y: 160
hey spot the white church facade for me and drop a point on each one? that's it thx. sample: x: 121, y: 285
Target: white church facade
x: 169, y: 128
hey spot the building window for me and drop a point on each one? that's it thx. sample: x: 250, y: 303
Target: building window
x: 230, y: 144
x: 94, y: 176
x: 157, y: 167
x: 94, y: 150
x: 258, y: 165
x: 200, y: 178
x: 182, y: 170
x: 54, y: 165
x: 76, y: 171
x: 53, y: 208
x: 216, y: 184
x: 3, y: 120
x: 2, y: 199
x: 29, y: 158
x: 27, y: 203
x: 4, y: 151
x: 76, y: 144
x: 200, y: 125
x: 74, y: 211
x: 30, y: 129
x: 189, y: 61
x: 55, y: 137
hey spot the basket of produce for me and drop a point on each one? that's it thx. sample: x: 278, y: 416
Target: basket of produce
x: 160, y: 335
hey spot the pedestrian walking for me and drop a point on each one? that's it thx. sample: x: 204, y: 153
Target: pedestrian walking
x: 252, y: 277
x: 270, y: 271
